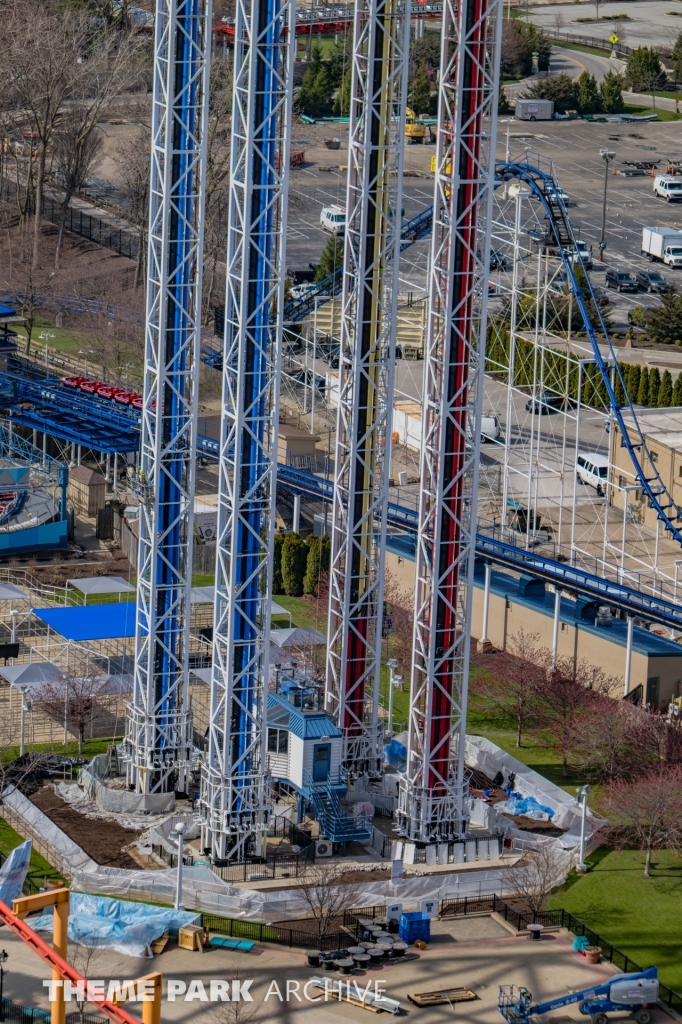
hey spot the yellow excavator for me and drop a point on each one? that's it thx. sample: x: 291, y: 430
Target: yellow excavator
x: 415, y: 130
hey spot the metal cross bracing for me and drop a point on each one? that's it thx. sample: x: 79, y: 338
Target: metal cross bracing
x: 367, y: 356
x: 552, y: 376
x: 158, y: 738
x: 432, y: 792
x: 234, y: 787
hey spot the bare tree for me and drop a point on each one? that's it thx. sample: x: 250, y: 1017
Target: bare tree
x: 135, y: 169
x: 400, y: 609
x: 531, y: 880
x: 325, y: 895
x: 217, y: 171
x: 646, y: 813
x: 513, y: 679
x: 568, y: 693
x: 559, y: 21
x: 620, y: 742
x: 237, y: 1011
x: 57, y: 39
x: 85, y: 957
x: 78, y: 699
x: 76, y: 151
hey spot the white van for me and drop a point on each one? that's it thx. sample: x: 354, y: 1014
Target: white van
x: 490, y: 426
x: 668, y: 187
x: 593, y: 469
x: 333, y: 219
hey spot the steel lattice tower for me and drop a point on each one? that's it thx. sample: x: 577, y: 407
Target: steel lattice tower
x: 234, y: 793
x: 159, y: 733
x: 432, y: 802
x: 367, y: 354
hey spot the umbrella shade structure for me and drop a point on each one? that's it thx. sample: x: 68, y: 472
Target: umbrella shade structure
x: 91, y: 622
x: 277, y: 610
x: 89, y: 585
x: 203, y: 595
x: 8, y: 592
x: 297, y: 636
x: 31, y: 677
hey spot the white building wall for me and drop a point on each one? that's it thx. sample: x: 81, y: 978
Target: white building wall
x: 296, y: 760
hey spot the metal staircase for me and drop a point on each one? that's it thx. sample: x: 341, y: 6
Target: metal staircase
x: 337, y: 825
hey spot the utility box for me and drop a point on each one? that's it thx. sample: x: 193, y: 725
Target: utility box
x: 415, y: 925
x: 297, y: 447
x: 534, y: 110
x: 86, y: 490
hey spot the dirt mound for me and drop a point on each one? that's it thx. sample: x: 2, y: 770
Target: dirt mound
x: 101, y: 840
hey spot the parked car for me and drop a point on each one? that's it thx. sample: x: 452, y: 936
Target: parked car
x: 602, y: 297
x: 593, y: 469
x: 498, y: 260
x: 651, y: 281
x: 555, y: 191
x: 548, y: 401
x: 333, y: 219
x: 621, y: 280
x: 668, y: 187
x: 490, y: 426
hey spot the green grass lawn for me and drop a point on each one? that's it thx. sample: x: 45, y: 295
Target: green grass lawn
x: 577, y: 46
x: 663, y: 115
x: 90, y: 748
x: 641, y: 916
x: 306, y: 612
x: 39, y: 869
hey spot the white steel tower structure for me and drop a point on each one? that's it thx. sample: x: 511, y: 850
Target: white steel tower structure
x: 432, y: 800
x: 159, y: 733
x: 234, y: 794
x: 367, y: 354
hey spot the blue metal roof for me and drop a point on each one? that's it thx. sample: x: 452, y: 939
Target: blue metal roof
x: 307, y: 725
x: 530, y: 593
x: 92, y: 622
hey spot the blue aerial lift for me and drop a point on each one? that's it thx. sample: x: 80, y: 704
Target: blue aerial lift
x: 633, y: 992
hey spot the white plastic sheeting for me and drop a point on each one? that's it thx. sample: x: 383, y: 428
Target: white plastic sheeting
x: 130, y: 928
x: 489, y: 758
x: 121, y: 801
x: 13, y: 872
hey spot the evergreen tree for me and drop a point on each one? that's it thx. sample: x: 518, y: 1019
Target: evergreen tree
x: 315, y: 97
x: 665, y: 393
x: 654, y: 387
x: 611, y: 93
x: 677, y: 391
x: 342, y: 101
x: 587, y: 98
x: 503, y: 106
x: 644, y: 70
x: 277, y: 585
x: 318, y: 561
x: 331, y: 259
x: 634, y: 377
x: 426, y: 51
x: 294, y: 558
x: 665, y: 321
x: 340, y: 59
x: 619, y: 389
x: 643, y: 390
x: 558, y: 88
x: 420, y: 94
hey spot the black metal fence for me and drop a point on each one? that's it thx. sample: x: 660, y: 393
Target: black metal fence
x: 23, y: 1014
x: 259, y: 932
x: 95, y: 229
x: 595, y: 44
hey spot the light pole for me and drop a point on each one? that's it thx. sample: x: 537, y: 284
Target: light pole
x: 582, y: 798
x: 23, y: 720
x: 3, y: 961
x: 392, y: 683
x: 607, y: 156
x: 179, y: 830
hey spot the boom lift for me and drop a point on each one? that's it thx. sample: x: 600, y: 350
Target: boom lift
x: 633, y: 992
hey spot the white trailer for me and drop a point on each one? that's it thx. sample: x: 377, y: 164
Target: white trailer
x: 664, y: 244
x: 534, y: 110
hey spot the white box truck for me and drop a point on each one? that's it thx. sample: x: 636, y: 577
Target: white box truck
x: 534, y: 110
x: 663, y: 244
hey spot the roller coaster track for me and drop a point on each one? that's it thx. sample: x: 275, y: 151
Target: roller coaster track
x: 560, y: 236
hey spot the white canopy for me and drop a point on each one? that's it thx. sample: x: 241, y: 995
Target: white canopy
x: 203, y: 595
x: 297, y: 637
x: 8, y: 592
x: 31, y: 677
x: 102, y: 585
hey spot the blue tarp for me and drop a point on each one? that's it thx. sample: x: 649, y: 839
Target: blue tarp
x: 91, y: 622
x: 13, y: 872
x: 128, y: 928
x: 527, y: 805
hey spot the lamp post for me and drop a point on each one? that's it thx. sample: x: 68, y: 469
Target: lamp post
x: 179, y: 830
x: 3, y: 961
x: 392, y: 666
x: 607, y: 156
x: 582, y: 799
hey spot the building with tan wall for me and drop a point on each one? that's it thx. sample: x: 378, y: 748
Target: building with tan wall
x: 662, y: 430
x: 525, y: 603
